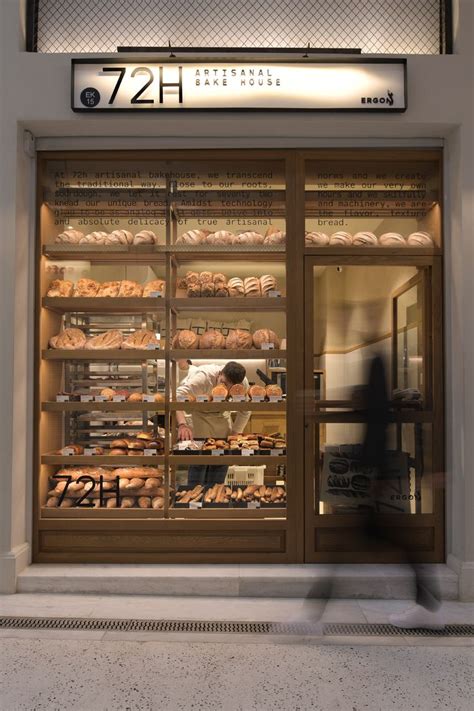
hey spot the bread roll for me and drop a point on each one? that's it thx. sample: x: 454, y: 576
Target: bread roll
x: 221, y: 237
x: 70, y: 339
x: 278, y: 237
x: 257, y: 391
x: 318, y: 238
x: 181, y: 284
x: 273, y: 390
x: 86, y: 287
x: 267, y: 283
x: 238, y: 391
x: 219, y: 390
x: 94, y: 238
x: 130, y: 288
x: 364, y: 239
x: 154, y: 285
x: 339, y: 239
x: 127, y: 502
x: 205, y: 278
x: 192, y: 237
x: 212, y: 339
x: 252, y: 287
x: 246, y: 238
x: 265, y: 335
x: 221, y: 289
x: 159, y: 397
x: 135, y: 397
x: 219, y: 278
x: 117, y: 452
x: 109, y: 289
x: 193, y: 291
x: 119, y: 237
x: 144, y: 502
x: 420, y: 239
x: 105, y: 341
x: 140, y: 339
x: 108, y: 393
x: 158, y: 502
x: 392, y: 239
x: 145, y: 237
x: 192, y: 278
x: 239, y: 340
x: 186, y: 339
x: 208, y: 289
x: 52, y: 502
x: 60, y: 287
x: 236, y: 287
x: 70, y: 237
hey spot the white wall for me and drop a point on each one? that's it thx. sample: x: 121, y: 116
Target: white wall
x: 35, y: 92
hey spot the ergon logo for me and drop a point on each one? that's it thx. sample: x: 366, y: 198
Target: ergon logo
x: 388, y: 100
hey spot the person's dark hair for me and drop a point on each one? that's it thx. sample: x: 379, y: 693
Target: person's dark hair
x: 234, y: 372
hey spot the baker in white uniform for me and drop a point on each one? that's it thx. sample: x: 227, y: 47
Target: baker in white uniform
x: 200, y: 381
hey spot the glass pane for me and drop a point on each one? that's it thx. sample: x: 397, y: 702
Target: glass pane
x: 409, y: 317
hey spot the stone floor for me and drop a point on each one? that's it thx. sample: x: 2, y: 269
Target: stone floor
x: 54, y: 670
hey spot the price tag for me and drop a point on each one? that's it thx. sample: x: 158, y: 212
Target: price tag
x: 268, y: 346
x: 274, y: 293
x: 67, y: 452
x: 89, y: 452
x: 238, y: 398
x: 247, y: 452
x: 181, y: 398
x: 195, y: 504
x: 276, y: 452
x: 100, y: 398
x: 217, y: 452
x: 253, y: 504
x: 280, y: 482
x: 149, y: 452
x: 275, y: 398
x: 258, y: 398
x: 86, y: 398
x: 148, y: 398
x: 153, y: 347
x: 155, y: 294
x: 118, y: 398
x: 202, y: 398
x: 218, y: 398
x: 62, y: 398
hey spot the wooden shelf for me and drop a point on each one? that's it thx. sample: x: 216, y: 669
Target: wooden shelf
x: 81, y: 512
x: 219, y: 461
x: 268, y: 253
x: 107, y: 355
x: 332, y: 251
x: 228, y: 405
x: 103, y: 460
x: 229, y: 304
x: 106, y: 254
x: 103, y: 406
x: 117, y: 305
x: 221, y: 513
x: 218, y: 354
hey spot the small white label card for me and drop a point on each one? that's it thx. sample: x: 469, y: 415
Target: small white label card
x: 217, y: 452
x: 276, y: 452
x: 89, y: 452
x: 238, y: 398
x: 202, y: 398
x: 118, y: 398
x: 148, y: 398
x: 67, y: 452
x: 218, y: 398
x: 275, y: 398
x: 274, y: 293
x: 62, y: 398
x: 155, y: 294
x: 100, y: 398
x: 268, y: 346
x: 149, y: 452
x: 153, y: 347
x: 258, y: 398
x: 253, y: 504
x: 195, y: 504
x: 247, y: 452
x: 87, y: 398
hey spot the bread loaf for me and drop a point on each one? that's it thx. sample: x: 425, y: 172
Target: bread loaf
x: 239, y: 340
x: 247, y: 238
x: 217, y: 278
x: 267, y: 283
x: 236, y: 287
x: 208, y: 289
x: 318, y: 238
x: 339, y: 239
x: 130, y: 288
x: 265, y: 335
x: 141, y: 339
x: 159, y: 397
x: 274, y: 390
x: 278, y: 237
x: 60, y: 287
x: 70, y: 237
x: 205, y: 278
x: 192, y: 237
x: 192, y: 278
x: 252, y: 287
x: 117, y: 452
x: 135, y: 397
x: 219, y: 390
x: 392, y: 239
x: 105, y: 341
x: 221, y: 237
x: 94, y: 238
x: 109, y: 289
x: 119, y: 237
x: 158, y: 502
x: 257, y: 391
x: 108, y: 393
x: 70, y: 339
x: 145, y: 237
x: 154, y: 285
x: 186, y: 339
x: 144, y: 502
x: 212, y: 339
x: 420, y: 239
x: 238, y: 390
x: 127, y: 502
x: 364, y: 239
x: 86, y: 287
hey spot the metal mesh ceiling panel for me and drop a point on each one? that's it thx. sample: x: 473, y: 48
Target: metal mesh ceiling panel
x: 373, y: 26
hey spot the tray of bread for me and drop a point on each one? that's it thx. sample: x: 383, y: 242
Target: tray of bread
x: 235, y: 445
x: 224, y: 496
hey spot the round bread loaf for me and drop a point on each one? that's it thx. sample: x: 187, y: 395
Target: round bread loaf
x: 220, y: 237
x: 219, y: 391
x: 239, y: 340
x: 129, y: 289
x: 265, y: 335
x: 252, y: 287
x: 340, y: 239
x: 108, y: 393
x: 60, y: 288
x: 192, y: 278
x: 364, y: 239
x: 159, y: 397
x: 267, y: 283
x: 70, y: 339
x: 135, y: 397
x: 145, y: 237
x: 238, y: 390
x: 420, y: 239
x: 278, y: 237
x: 206, y: 278
x: 392, y: 239
x: 119, y: 237
x: 86, y: 287
x: 236, y: 287
x: 212, y: 339
x: 140, y: 339
x: 273, y: 390
x: 193, y: 290
x: 248, y: 238
x: 154, y: 285
x: 186, y: 339
x: 94, y: 238
x: 70, y: 236
x: 105, y: 341
x: 256, y: 391
x: 109, y: 289
x: 192, y: 237
x: 318, y: 238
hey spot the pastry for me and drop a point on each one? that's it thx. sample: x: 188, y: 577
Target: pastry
x: 108, y: 393
x: 181, y: 284
x: 94, y: 238
x: 236, y: 287
x: 212, y: 339
x: 205, y: 278
x: 146, y: 436
x: 154, y: 285
x: 109, y: 289
x: 158, y: 502
x: 192, y: 237
x: 193, y: 291
x: 239, y: 340
x: 186, y: 339
x: 267, y: 283
x: 219, y: 237
x: 265, y: 335
x: 117, y: 452
x: 257, y: 391
x: 219, y: 278
x: 392, y: 239
x: 60, y: 287
x: 192, y: 278
x: 248, y: 238
x: 74, y: 448
x: 119, y: 237
x: 274, y: 390
x: 70, y: 237
x: 159, y: 397
x: 252, y: 287
x: 145, y: 237
x: 70, y: 339
x: 130, y: 288
x: 318, y: 238
x: 208, y: 289
x: 339, y: 239
x: 219, y: 390
x: 140, y: 339
x: 221, y: 289
x: 86, y: 287
x: 278, y: 237
x: 135, y: 397
x: 364, y: 239
x: 420, y: 239
x: 238, y: 391
x: 105, y: 341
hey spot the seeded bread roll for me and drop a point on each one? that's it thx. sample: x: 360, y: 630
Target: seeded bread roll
x: 70, y: 339
x: 219, y: 278
x: 252, y: 287
x: 364, y: 239
x: 109, y: 289
x: 70, y: 236
x: 267, y: 283
x: 392, y: 239
x: 212, y: 339
x: 236, y: 287
x: 275, y: 238
x: 140, y: 339
x: 257, y: 391
x: 60, y: 287
x: 192, y: 278
x: 420, y: 239
x: 186, y: 339
x: 129, y: 288
x: 145, y: 237
x: 206, y: 278
x: 340, y: 239
x: 208, y: 289
x: 317, y: 238
x: 193, y: 290
x: 239, y: 340
x: 181, y: 283
x: 86, y: 287
x: 265, y: 335
x: 119, y: 237
x: 154, y: 285
x: 105, y: 341
x: 192, y: 237
x: 94, y: 238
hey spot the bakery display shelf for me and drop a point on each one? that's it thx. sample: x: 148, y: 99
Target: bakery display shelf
x: 100, y: 460
x: 113, y: 305
x: 378, y: 251
x: 75, y: 406
x: 408, y: 415
x: 220, y: 459
x: 246, y: 406
x: 217, y: 303
x: 103, y: 355
x: 218, y: 354
x: 84, y: 512
x: 264, y: 253
x: 105, y: 254
x: 224, y: 513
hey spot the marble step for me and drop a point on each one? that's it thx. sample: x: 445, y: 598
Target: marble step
x: 369, y: 581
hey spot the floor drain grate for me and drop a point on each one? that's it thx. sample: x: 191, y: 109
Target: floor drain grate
x: 226, y: 627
